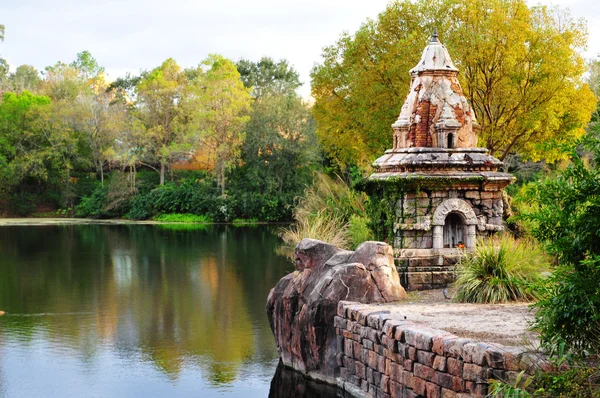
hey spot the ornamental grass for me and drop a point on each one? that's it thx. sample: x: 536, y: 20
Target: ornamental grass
x: 501, y: 270
x: 330, y: 211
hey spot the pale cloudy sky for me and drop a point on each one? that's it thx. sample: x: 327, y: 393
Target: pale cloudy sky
x: 129, y: 35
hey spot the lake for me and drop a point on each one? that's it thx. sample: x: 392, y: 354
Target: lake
x: 141, y: 310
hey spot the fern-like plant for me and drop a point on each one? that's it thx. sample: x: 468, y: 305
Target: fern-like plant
x: 500, y: 270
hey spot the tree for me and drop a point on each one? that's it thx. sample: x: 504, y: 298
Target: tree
x: 64, y: 82
x: 162, y: 108
x: 4, y: 67
x: 19, y: 131
x: 269, y: 76
x: 26, y: 77
x: 223, y: 104
x: 87, y: 65
x: 44, y: 143
x: 521, y: 72
x: 281, y: 149
x: 593, y: 81
x: 100, y: 120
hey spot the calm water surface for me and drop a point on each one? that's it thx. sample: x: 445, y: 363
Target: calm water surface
x: 139, y: 310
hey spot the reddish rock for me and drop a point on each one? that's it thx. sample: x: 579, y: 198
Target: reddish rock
x: 433, y: 390
x: 439, y: 363
x: 419, y: 386
x: 472, y: 372
x: 302, y: 306
x: 454, y: 366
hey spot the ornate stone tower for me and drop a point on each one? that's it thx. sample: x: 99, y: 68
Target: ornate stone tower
x: 449, y: 191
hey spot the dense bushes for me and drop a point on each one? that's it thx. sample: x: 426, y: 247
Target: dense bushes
x: 500, y: 270
x: 566, y: 215
x: 190, y: 193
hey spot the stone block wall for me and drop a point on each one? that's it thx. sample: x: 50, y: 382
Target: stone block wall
x: 414, y: 212
x: 423, y: 273
x: 382, y: 355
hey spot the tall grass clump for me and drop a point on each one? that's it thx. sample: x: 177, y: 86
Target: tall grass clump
x: 500, y: 270
x: 323, y: 226
x: 329, y: 211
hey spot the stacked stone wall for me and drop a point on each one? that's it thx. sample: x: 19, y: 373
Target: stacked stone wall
x: 382, y: 356
x: 419, y: 267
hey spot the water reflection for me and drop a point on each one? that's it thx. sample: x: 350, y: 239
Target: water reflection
x: 107, y: 306
x: 288, y: 383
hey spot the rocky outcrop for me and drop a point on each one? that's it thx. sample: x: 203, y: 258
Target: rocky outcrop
x: 302, y: 306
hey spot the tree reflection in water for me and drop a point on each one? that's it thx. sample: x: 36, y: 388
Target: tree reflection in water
x: 179, y: 299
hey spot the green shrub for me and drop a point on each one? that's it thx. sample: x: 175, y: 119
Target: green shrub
x: 141, y: 207
x: 113, y: 199
x: 579, y: 380
x: 568, y: 310
x: 92, y: 206
x: 245, y: 221
x: 358, y: 230
x: 22, y: 203
x: 183, y: 218
x: 499, y: 271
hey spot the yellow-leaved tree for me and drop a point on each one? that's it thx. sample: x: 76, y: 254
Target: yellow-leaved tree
x: 520, y: 69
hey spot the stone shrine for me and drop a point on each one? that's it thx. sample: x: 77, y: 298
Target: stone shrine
x: 451, y: 190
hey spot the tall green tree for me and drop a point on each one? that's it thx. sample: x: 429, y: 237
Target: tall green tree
x: 268, y: 77
x: 281, y: 150
x: 19, y: 129
x: 223, y: 104
x: 520, y: 65
x: 161, y: 106
x: 25, y: 77
x: 45, y: 144
x: 87, y: 65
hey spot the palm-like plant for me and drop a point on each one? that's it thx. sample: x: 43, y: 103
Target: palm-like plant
x: 499, y: 271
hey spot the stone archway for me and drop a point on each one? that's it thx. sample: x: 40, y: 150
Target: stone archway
x: 466, y: 213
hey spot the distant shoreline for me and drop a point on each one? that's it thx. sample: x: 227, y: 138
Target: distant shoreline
x: 5, y: 222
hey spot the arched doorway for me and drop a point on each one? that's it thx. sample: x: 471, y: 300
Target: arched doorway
x: 454, y: 233
x: 454, y: 221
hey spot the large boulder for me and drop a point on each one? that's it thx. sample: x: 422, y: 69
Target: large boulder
x: 302, y: 305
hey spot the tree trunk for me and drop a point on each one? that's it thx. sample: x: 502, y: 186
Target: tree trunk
x: 162, y: 173
x: 101, y: 168
x: 222, y: 180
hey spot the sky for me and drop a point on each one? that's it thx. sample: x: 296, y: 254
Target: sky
x: 132, y: 35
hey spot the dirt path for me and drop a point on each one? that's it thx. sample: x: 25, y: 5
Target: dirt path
x: 506, y: 324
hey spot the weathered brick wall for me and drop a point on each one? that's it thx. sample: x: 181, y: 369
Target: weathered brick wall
x: 383, y: 356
